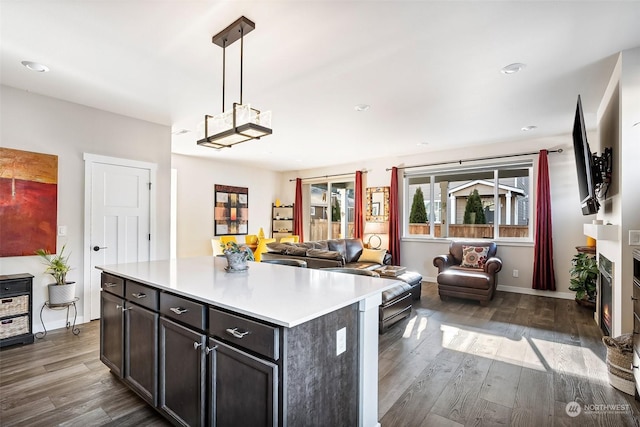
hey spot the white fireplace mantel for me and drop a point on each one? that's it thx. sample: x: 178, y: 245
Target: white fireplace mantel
x: 602, y: 231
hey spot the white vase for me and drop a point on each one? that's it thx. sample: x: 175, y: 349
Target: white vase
x: 61, y: 294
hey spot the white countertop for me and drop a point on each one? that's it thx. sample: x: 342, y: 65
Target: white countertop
x: 283, y: 295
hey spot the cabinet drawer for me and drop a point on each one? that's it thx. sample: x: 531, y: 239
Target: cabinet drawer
x: 183, y: 310
x: 142, y: 295
x: 113, y: 284
x: 246, y: 333
x: 14, y: 327
x: 14, y: 305
x: 14, y: 287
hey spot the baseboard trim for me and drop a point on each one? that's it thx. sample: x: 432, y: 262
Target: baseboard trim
x: 527, y: 291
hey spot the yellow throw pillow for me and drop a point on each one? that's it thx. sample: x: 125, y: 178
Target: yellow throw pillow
x: 372, y: 255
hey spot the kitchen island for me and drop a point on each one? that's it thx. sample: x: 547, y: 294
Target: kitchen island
x: 275, y: 345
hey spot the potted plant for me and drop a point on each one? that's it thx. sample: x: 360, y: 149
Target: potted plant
x: 237, y: 256
x: 584, y: 279
x: 58, y: 266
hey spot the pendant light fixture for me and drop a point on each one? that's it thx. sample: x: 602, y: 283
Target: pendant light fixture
x: 242, y: 123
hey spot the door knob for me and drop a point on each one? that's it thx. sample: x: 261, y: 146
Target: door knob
x: 97, y: 248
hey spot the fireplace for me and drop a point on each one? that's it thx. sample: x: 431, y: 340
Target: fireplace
x: 606, y: 282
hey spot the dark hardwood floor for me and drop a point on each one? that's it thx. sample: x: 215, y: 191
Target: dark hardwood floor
x: 517, y: 362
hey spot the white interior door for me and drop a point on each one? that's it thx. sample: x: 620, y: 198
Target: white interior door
x: 120, y: 220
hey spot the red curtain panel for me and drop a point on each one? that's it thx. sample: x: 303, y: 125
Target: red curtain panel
x: 394, y: 223
x: 358, y: 231
x: 297, y: 211
x: 543, y: 273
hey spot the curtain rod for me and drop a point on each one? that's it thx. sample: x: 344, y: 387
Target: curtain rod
x: 329, y: 176
x: 559, y: 150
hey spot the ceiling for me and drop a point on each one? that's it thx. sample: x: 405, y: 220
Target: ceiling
x: 430, y: 70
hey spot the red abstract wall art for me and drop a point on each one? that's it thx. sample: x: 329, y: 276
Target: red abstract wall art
x: 28, y: 202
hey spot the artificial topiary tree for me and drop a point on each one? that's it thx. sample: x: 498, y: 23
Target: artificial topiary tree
x: 335, y: 211
x: 418, y: 213
x: 474, y: 205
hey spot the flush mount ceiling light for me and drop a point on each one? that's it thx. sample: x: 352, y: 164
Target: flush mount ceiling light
x: 528, y: 128
x: 362, y: 107
x: 243, y: 123
x: 513, y: 68
x: 34, y: 66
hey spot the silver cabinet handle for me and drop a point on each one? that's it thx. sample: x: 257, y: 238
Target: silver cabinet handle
x: 196, y: 345
x: 178, y: 310
x: 140, y: 295
x: 236, y: 333
x: 110, y: 284
x: 208, y: 350
x: 121, y: 307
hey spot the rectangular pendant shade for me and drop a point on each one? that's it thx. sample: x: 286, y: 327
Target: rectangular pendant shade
x: 243, y: 123
x: 236, y: 135
x: 233, y: 127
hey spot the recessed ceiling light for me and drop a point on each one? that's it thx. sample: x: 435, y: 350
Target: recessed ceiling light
x: 34, y: 66
x: 362, y: 107
x: 635, y: 124
x: 528, y: 128
x: 513, y: 68
x: 180, y: 131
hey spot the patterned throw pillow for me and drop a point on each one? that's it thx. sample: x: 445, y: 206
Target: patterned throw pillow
x: 474, y: 256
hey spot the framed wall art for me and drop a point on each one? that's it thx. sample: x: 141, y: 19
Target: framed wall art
x: 28, y: 202
x: 231, y: 210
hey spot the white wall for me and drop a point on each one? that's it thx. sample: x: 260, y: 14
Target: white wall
x: 568, y: 220
x: 619, y: 111
x: 196, y: 178
x: 47, y: 125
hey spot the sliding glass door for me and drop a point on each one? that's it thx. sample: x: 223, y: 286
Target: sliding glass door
x: 331, y: 210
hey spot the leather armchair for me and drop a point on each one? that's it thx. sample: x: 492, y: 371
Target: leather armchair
x: 467, y: 271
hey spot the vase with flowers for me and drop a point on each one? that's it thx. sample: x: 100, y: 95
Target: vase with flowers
x: 237, y: 256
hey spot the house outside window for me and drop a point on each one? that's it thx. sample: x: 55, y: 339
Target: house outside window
x: 497, y: 198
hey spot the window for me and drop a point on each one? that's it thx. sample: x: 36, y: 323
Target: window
x: 331, y: 210
x: 483, y: 203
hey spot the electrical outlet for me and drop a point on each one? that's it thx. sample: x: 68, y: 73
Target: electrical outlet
x: 515, y: 273
x: 62, y: 230
x: 341, y: 341
x: 634, y: 237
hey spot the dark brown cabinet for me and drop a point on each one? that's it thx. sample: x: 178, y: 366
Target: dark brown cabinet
x: 112, y: 332
x: 16, y: 309
x: 199, y: 364
x: 141, y: 351
x: 244, y: 388
x: 182, y: 374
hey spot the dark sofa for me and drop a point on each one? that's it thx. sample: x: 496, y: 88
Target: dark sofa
x: 325, y: 253
x: 345, y: 256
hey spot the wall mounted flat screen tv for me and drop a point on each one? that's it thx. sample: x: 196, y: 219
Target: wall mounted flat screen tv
x: 587, y: 174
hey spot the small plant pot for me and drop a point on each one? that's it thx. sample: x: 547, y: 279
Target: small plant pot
x: 61, y: 294
x: 237, y: 261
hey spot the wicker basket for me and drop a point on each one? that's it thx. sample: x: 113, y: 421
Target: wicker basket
x: 14, y: 305
x: 14, y: 326
x: 619, y: 361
